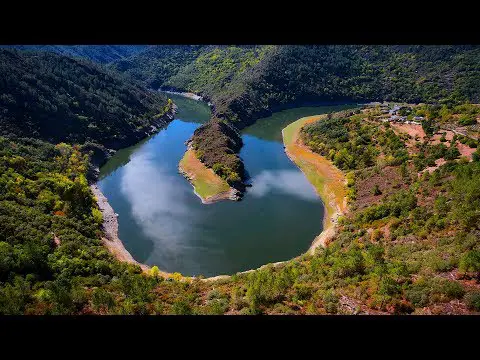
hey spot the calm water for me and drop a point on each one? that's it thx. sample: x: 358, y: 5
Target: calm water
x: 162, y: 222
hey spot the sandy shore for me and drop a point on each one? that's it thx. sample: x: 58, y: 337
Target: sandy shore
x: 185, y: 94
x: 110, y: 228
x: 192, y: 169
x: 328, y: 181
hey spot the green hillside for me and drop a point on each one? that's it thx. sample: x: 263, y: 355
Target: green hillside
x: 96, y: 53
x: 57, y: 98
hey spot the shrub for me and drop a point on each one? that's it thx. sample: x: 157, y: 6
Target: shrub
x: 470, y: 262
x: 476, y: 155
x: 181, y: 307
x: 472, y: 300
x: 102, y: 299
x: 97, y: 216
x: 330, y: 302
x: 467, y: 119
x: 376, y: 190
x: 452, y: 289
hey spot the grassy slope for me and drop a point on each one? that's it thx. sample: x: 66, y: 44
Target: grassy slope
x: 205, y: 182
x: 327, y: 180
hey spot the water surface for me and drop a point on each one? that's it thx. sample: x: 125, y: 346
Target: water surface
x: 162, y: 222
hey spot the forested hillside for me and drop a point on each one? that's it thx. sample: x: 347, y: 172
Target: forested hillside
x: 52, y: 260
x: 96, y: 53
x: 57, y: 98
x: 285, y: 75
x: 245, y: 83
x: 216, y: 144
x: 157, y: 64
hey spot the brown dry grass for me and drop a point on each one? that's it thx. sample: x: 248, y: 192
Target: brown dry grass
x: 328, y: 181
x: 208, y: 185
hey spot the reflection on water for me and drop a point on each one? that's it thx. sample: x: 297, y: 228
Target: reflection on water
x: 291, y: 182
x: 162, y: 222
x: 270, y: 128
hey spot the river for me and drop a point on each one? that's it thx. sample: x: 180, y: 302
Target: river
x: 162, y: 222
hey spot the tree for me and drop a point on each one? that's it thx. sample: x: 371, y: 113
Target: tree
x: 470, y: 262
x: 376, y: 190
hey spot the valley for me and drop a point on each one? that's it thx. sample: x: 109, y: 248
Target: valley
x: 354, y: 171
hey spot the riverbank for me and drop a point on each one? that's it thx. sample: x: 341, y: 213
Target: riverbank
x: 189, y: 95
x: 185, y: 94
x: 207, y: 185
x: 113, y: 243
x: 110, y: 228
x: 100, y: 154
x: 328, y: 181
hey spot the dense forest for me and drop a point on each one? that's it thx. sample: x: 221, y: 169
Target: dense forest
x: 57, y: 98
x: 245, y: 82
x: 157, y: 64
x: 97, y: 53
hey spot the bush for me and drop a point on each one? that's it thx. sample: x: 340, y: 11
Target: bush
x: 470, y: 262
x: 476, y: 155
x: 102, y: 299
x: 472, y: 300
x: 97, y: 216
x: 330, y: 302
x: 467, y: 119
x: 453, y: 289
x: 376, y: 190
x: 181, y: 307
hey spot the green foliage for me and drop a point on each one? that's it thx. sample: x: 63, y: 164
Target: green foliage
x: 473, y: 300
x: 97, y: 53
x: 58, y: 98
x: 470, y: 262
x: 245, y: 81
x: 157, y: 64
x: 428, y: 126
x: 351, y: 143
x: 266, y: 287
x: 216, y: 145
x: 181, y: 307
x: 398, y: 205
x: 102, y: 299
x: 97, y: 216
x: 467, y: 119
x: 330, y: 301
x: 427, y: 291
x: 476, y: 155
